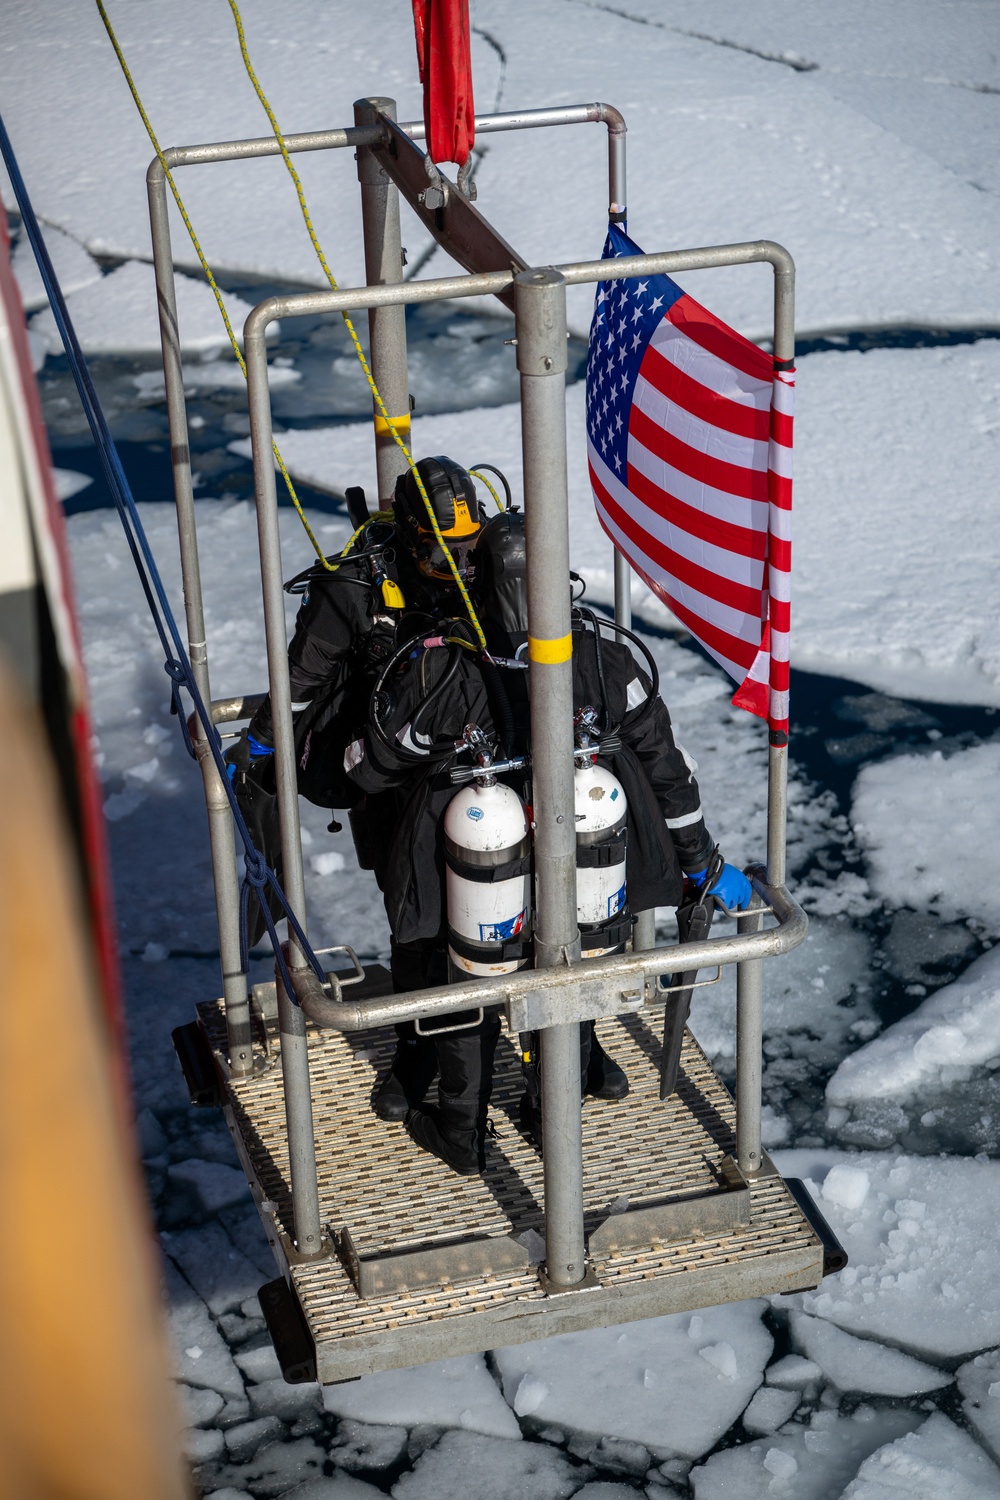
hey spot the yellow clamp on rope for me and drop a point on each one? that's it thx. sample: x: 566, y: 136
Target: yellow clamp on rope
x: 550, y: 652
x: 384, y: 428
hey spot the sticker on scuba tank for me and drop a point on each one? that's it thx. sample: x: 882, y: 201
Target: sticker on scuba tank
x: 474, y: 812
x: 614, y: 794
x: 502, y: 932
x: 616, y: 902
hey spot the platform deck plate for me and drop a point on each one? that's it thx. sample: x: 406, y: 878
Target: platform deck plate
x: 392, y: 1197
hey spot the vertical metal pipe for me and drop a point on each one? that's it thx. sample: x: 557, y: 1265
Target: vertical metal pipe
x: 749, y: 1038
x: 623, y: 590
x: 617, y: 189
x: 644, y: 931
x: 220, y: 823
x: 294, y: 1051
x: 541, y: 359
x: 386, y: 325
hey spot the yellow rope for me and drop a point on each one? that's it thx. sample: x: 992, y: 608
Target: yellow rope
x: 348, y: 324
x: 204, y: 263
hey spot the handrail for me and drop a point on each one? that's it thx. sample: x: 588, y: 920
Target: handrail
x: 614, y: 973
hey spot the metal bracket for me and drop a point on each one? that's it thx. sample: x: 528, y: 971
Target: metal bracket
x: 436, y: 196
x: 444, y: 210
x: 433, y: 1031
x: 723, y: 1211
x: 590, y: 1283
x: 464, y: 182
x: 659, y: 988
x: 576, y: 1000
x: 384, y: 1275
x: 282, y: 1244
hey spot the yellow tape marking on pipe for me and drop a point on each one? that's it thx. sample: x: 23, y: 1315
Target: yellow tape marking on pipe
x: 401, y: 424
x: 550, y: 652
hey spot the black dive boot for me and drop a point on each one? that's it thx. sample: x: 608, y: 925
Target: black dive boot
x: 410, y: 1075
x: 451, y: 1132
x: 605, y: 1079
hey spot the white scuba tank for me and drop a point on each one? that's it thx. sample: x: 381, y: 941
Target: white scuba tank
x: 601, y: 894
x: 487, y: 843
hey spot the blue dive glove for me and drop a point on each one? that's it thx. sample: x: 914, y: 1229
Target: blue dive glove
x: 245, y: 754
x: 730, y: 885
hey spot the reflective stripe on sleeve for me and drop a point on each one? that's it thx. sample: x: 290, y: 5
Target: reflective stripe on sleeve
x: 686, y: 821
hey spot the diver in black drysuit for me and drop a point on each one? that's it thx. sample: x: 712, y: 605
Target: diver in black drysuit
x: 350, y: 621
x: 419, y: 710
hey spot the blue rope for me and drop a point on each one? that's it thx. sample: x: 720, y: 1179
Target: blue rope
x: 177, y: 665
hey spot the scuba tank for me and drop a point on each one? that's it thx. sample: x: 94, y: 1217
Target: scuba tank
x: 487, y: 840
x: 601, y: 815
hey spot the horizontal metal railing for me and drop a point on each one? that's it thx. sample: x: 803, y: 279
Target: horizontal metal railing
x: 589, y: 989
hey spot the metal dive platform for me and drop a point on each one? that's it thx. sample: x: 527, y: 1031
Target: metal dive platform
x: 639, y: 1207
x: 429, y: 1264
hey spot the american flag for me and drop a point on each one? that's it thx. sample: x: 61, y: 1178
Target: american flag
x: 689, y: 438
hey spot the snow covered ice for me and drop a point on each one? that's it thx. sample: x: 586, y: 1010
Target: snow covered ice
x: 896, y: 802
x: 864, y: 139
x: 922, y: 1257
x: 932, y: 1074
x: 673, y: 1384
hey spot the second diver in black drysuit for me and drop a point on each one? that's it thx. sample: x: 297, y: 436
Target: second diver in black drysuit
x: 431, y: 689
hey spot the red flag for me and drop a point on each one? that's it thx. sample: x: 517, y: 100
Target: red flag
x: 445, y: 61
x: 690, y: 442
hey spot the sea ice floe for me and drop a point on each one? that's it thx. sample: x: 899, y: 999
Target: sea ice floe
x: 918, y: 816
x: 445, y: 1393
x: 336, y: 1487
x: 810, y: 1461
x: 769, y: 1409
x: 979, y: 1382
x: 363, y: 1446
x: 922, y: 1271
x: 673, y: 1383
x: 463, y: 1464
x: 219, y: 1273
x: 938, y: 1460
x: 854, y: 1364
x: 117, y: 314
x: 931, y: 1075
x: 793, y: 1372
x: 819, y: 159
x: 213, y: 1185
x: 192, y: 1329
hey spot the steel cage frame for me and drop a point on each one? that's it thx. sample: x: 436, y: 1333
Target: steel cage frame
x: 567, y: 989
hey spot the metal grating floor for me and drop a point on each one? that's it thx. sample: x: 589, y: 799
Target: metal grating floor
x: 393, y: 1196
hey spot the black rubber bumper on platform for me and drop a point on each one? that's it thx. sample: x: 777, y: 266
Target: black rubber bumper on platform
x: 834, y: 1254
x: 289, y: 1332
x: 197, y: 1064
